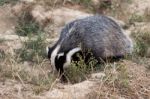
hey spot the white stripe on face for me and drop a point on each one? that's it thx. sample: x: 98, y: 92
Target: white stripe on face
x: 59, y: 55
x: 69, y: 56
x: 53, y: 56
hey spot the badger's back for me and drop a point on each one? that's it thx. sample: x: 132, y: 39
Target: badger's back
x: 99, y: 34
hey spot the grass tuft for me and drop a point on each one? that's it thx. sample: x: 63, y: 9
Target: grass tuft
x: 79, y: 70
x: 136, y: 18
x: 142, y: 40
x: 117, y: 74
x: 33, y: 50
x: 83, y: 2
x: 27, y: 26
x: 2, y: 2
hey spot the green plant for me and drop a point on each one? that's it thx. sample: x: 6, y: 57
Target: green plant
x: 136, y: 18
x: 79, y: 71
x: 116, y: 74
x: 142, y: 40
x: 33, y: 50
x: 26, y: 25
x: 27, y: 28
x: 2, y: 2
x: 2, y: 40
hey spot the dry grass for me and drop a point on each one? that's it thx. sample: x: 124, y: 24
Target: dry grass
x: 27, y: 72
x: 121, y: 82
x: 30, y: 66
x: 78, y: 71
x: 142, y: 43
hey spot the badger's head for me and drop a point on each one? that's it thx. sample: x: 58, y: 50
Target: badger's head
x: 61, y: 60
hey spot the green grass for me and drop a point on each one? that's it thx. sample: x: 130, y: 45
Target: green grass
x: 2, y: 2
x: 117, y: 74
x: 33, y: 50
x: 136, y: 18
x: 83, y: 2
x: 142, y: 45
x: 79, y: 71
x: 142, y: 40
x: 27, y: 26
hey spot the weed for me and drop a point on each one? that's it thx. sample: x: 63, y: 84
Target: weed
x: 116, y: 74
x: 142, y: 40
x: 2, y: 2
x: 27, y: 26
x: 83, y: 2
x: 33, y: 50
x: 35, y: 74
x: 136, y: 18
x: 79, y: 70
x: 123, y: 75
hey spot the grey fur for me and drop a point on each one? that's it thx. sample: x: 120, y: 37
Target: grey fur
x: 99, y: 34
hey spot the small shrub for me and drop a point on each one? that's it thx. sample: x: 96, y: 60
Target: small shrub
x: 33, y: 50
x: 27, y: 28
x: 79, y: 71
x: 117, y: 74
x: 136, y: 18
x: 27, y: 25
x: 142, y: 40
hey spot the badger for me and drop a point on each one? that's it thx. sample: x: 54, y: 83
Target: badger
x: 99, y: 34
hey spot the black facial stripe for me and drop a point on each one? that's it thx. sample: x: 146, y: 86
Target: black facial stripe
x: 49, y: 53
x: 59, y: 62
